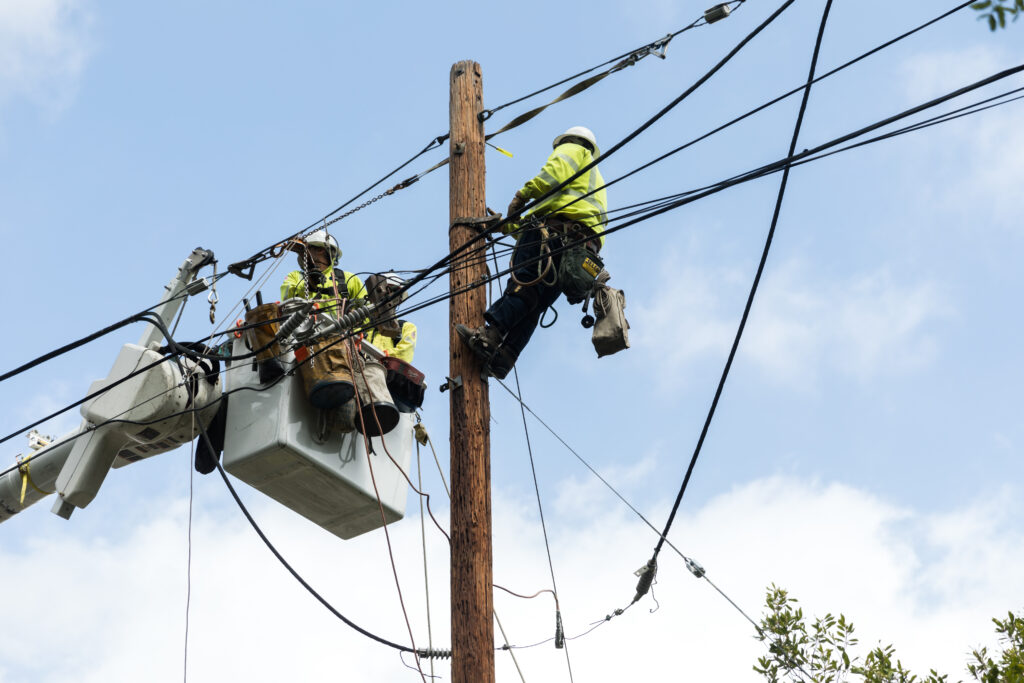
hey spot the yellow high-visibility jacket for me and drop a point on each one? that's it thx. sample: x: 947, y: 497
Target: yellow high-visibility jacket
x: 405, y: 347
x: 349, y: 286
x: 566, y: 160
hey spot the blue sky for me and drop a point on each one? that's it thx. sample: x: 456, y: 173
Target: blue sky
x: 867, y: 450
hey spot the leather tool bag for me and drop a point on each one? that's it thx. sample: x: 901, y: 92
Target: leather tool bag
x: 611, y: 331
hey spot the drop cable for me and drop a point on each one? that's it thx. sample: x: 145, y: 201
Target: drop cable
x: 652, y: 563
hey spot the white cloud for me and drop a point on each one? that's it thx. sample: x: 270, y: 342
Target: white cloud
x: 44, y: 46
x: 930, y: 74
x: 800, y: 326
x: 114, y: 607
x: 974, y: 163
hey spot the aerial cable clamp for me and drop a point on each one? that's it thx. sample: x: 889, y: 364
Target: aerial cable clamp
x: 479, y: 223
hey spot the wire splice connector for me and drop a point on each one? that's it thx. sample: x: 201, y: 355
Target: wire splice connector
x: 717, y: 13
x: 559, y: 633
x: 694, y: 567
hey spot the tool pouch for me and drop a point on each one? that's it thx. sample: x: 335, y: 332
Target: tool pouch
x: 577, y: 271
x: 611, y: 331
x: 325, y: 372
x: 261, y: 336
x: 377, y: 413
x: 405, y: 384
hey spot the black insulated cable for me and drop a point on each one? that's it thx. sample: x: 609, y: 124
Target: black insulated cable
x: 647, y: 124
x: 774, y: 101
x: 652, y: 563
x: 291, y: 570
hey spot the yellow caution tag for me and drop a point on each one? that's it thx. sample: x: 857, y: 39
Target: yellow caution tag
x: 503, y: 151
x: 591, y: 266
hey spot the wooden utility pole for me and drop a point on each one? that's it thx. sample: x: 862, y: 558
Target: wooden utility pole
x: 472, y: 594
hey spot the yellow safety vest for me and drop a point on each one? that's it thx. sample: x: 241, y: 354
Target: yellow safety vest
x: 405, y: 347
x: 348, y: 285
x: 564, y: 162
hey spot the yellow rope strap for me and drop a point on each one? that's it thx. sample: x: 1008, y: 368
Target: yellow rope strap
x: 26, y: 480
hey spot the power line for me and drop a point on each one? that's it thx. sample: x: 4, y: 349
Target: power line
x: 559, y: 641
x: 776, y: 100
x: 661, y: 43
x: 652, y: 563
x: 676, y: 201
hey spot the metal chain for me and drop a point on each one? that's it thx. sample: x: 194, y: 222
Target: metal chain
x: 348, y: 213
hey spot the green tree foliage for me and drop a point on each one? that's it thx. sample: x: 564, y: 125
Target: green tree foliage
x: 822, y: 651
x: 996, y: 11
x: 1010, y: 666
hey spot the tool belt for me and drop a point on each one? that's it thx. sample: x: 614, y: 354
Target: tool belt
x: 572, y: 231
x: 579, y: 265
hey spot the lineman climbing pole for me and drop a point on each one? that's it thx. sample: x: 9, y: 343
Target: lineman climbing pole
x: 472, y: 594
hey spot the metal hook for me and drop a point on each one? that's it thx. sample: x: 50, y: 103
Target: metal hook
x: 212, y: 296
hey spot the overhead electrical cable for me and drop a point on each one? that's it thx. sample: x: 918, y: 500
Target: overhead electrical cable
x: 298, y: 577
x: 652, y: 565
x: 676, y: 201
x: 655, y: 45
x: 559, y: 635
x: 656, y: 48
x: 776, y: 100
x: 644, y: 126
x: 691, y: 564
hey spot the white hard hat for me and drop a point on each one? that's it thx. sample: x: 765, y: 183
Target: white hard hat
x: 579, y: 132
x: 321, y: 238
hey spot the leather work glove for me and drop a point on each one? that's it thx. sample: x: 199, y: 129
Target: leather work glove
x: 518, y: 202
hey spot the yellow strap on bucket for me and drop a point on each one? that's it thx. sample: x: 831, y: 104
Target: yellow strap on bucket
x: 26, y: 480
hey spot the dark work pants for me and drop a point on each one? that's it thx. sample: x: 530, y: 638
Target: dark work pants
x: 518, y: 311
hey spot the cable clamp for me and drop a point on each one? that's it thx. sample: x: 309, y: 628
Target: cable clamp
x: 200, y: 284
x: 694, y: 567
x: 658, y: 49
x: 717, y: 13
x: 480, y: 223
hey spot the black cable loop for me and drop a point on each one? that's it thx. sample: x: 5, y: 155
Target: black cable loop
x: 750, y: 297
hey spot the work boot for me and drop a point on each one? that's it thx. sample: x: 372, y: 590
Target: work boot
x: 500, y: 364
x: 482, y: 341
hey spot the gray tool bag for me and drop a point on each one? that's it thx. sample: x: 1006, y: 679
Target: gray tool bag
x: 611, y: 331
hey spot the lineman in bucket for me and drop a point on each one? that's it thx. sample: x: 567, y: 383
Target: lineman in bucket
x: 397, y: 337
x: 542, y: 270
x: 319, y: 277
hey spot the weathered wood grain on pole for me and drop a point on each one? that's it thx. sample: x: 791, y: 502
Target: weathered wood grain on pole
x: 472, y: 596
